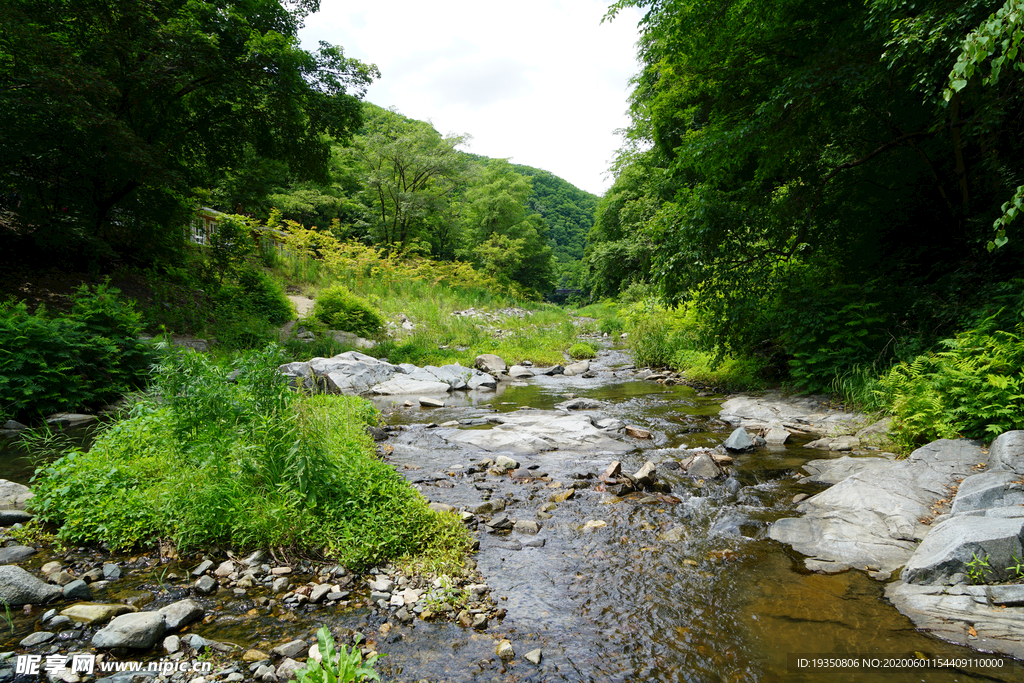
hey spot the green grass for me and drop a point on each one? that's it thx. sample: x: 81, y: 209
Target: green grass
x: 251, y: 464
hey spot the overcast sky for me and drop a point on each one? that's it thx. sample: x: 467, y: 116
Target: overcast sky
x: 542, y: 82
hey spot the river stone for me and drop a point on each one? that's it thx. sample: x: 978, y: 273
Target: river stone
x: 172, y: 644
x: 776, y: 436
x: 37, y: 638
x: 952, y: 614
x: 402, y: 385
x: 255, y: 656
x: 488, y: 362
x: 89, y: 614
x: 13, y: 495
x: 319, y: 592
x: 138, y: 631
x: 534, y: 656
x: 77, y: 590
x: 205, y: 585
x: 70, y: 420
x: 18, y: 587
x: 481, y: 380
x: 286, y: 669
x: 519, y: 372
x: 111, y: 571
x: 537, y: 431
x: 834, y: 470
x: 1007, y: 452
x: 526, y: 526
x: 203, y: 567
x: 503, y: 462
x: 577, y: 368
x: 181, y: 613
x: 739, y: 440
x: 674, y: 535
x: 549, y: 372
x: 15, y: 553
x: 992, y: 489
x: 646, y: 475
x: 803, y: 413
x: 12, y: 517
x: 871, y: 518
x: 955, y: 542
x: 504, y: 650
x: 428, y: 402
x: 844, y: 443
x: 703, y: 466
x: 292, y: 648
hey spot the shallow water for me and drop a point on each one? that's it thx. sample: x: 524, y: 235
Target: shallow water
x: 723, y: 603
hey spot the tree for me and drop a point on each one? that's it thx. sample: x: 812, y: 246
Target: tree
x: 411, y: 175
x: 113, y: 110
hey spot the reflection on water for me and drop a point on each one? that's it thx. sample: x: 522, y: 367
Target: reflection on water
x: 670, y: 589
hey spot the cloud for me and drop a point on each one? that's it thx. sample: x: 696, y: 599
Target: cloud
x: 545, y: 83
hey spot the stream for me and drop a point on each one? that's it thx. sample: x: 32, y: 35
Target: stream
x: 673, y: 588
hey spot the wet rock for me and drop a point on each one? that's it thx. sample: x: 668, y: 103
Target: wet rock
x: 577, y: 368
x: 519, y: 372
x: 502, y: 522
x: 18, y: 587
x: 637, y: 432
x: 286, y: 669
x: 77, y: 590
x: 594, y: 524
x: 525, y: 526
x: 12, y: 517
x: 534, y: 656
x: 952, y: 544
x: 280, y: 584
x: 13, y: 496
x: 292, y: 648
x: 137, y: 631
x: 94, y: 614
x: 504, y: 650
x: 834, y: 470
x: 16, y: 553
x: 503, y: 462
x: 37, y: 638
x: 488, y: 362
x: 563, y: 496
x: 181, y: 613
x: 807, y: 414
x: 646, y: 475
x: 509, y: 545
x: 612, y: 472
x: 739, y: 441
x: 226, y: 569
x: 479, y: 622
x: 703, y: 466
x: 428, y: 402
x: 111, y: 572
x: 674, y: 535
x: 255, y: 656
x: 800, y: 497
x: 205, y: 585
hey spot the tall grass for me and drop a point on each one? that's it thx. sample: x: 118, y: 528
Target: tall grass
x: 245, y: 462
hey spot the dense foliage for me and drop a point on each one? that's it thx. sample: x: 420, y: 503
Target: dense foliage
x: 807, y: 175
x: 86, y: 358
x: 246, y: 462
x: 339, y: 309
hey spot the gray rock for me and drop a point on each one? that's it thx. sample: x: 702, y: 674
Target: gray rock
x: 111, y: 572
x: 739, y: 441
x: 503, y: 462
x: 1007, y: 452
x: 481, y: 380
x: 292, y: 648
x: 490, y: 363
x: 70, y: 420
x: 402, y: 385
x: 538, y: 431
x: 525, y: 526
x: 577, y: 368
x: 703, y: 466
x: 501, y: 522
x: 15, y: 553
x: 226, y: 568
x: 37, y: 638
x: 18, y: 587
x: 954, y: 543
x: 281, y: 584
x: 181, y: 613
x: 943, y: 614
x: 776, y: 434
x: 844, y: 443
x: 534, y: 656
x: 611, y: 424
x: 804, y: 413
x: 15, y: 426
x: 581, y: 404
x: 205, y: 585
x: 549, y: 372
x: 319, y: 592
x: 138, y: 630
x: 286, y: 669
x: 834, y: 470
x: 428, y: 402
x: 13, y: 495
x: 992, y: 489
x: 646, y: 475
x: 77, y: 590
x: 1009, y: 596
x: 203, y: 567
x: 12, y: 517
x: 383, y: 585
x: 519, y: 372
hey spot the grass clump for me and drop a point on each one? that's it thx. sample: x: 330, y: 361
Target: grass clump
x: 339, y: 309
x: 246, y: 462
x: 582, y: 350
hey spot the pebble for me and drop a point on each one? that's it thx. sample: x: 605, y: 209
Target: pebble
x: 534, y: 656
x: 504, y: 650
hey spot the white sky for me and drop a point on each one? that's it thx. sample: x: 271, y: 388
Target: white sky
x: 544, y: 83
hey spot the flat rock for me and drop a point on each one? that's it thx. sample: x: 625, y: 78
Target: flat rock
x: 581, y: 404
x: 403, y: 385
x: 37, y: 638
x: 94, y: 613
x: 181, y: 613
x: 803, y: 413
x: 428, y: 402
x: 834, y: 470
x: 15, y: 553
x: 872, y: 516
x: 488, y: 362
x: 18, y: 587
x: 941, y: 612
x: 955, y: 542
x: 70, y: 420
x: 538, y: 431
x: 137, y: 631
x: 577, y: 368
x: 992, y: 489
x: 519, y: 372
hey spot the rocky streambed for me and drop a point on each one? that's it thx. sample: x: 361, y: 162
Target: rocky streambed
x: 618, y: 540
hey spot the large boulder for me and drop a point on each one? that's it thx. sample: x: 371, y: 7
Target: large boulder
x: 13, y: 496
x: 803, y: 413
x: 537, y: 431
x: 1007, y: 452
x: 139, y: 631
x: 577, y: 368
x: 739, y: 441
x: 18, y: 587
x: 872, y: 517
x: 992, y: 489
x: 990, y: 543
x: 400, y: 385
x: 181, y: 613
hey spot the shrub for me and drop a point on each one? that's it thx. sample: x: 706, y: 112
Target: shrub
x: 263, y: 297
x: 86, y: 358
x: 582, y: 350
x: 248, y: 462
x: 340, y: 309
